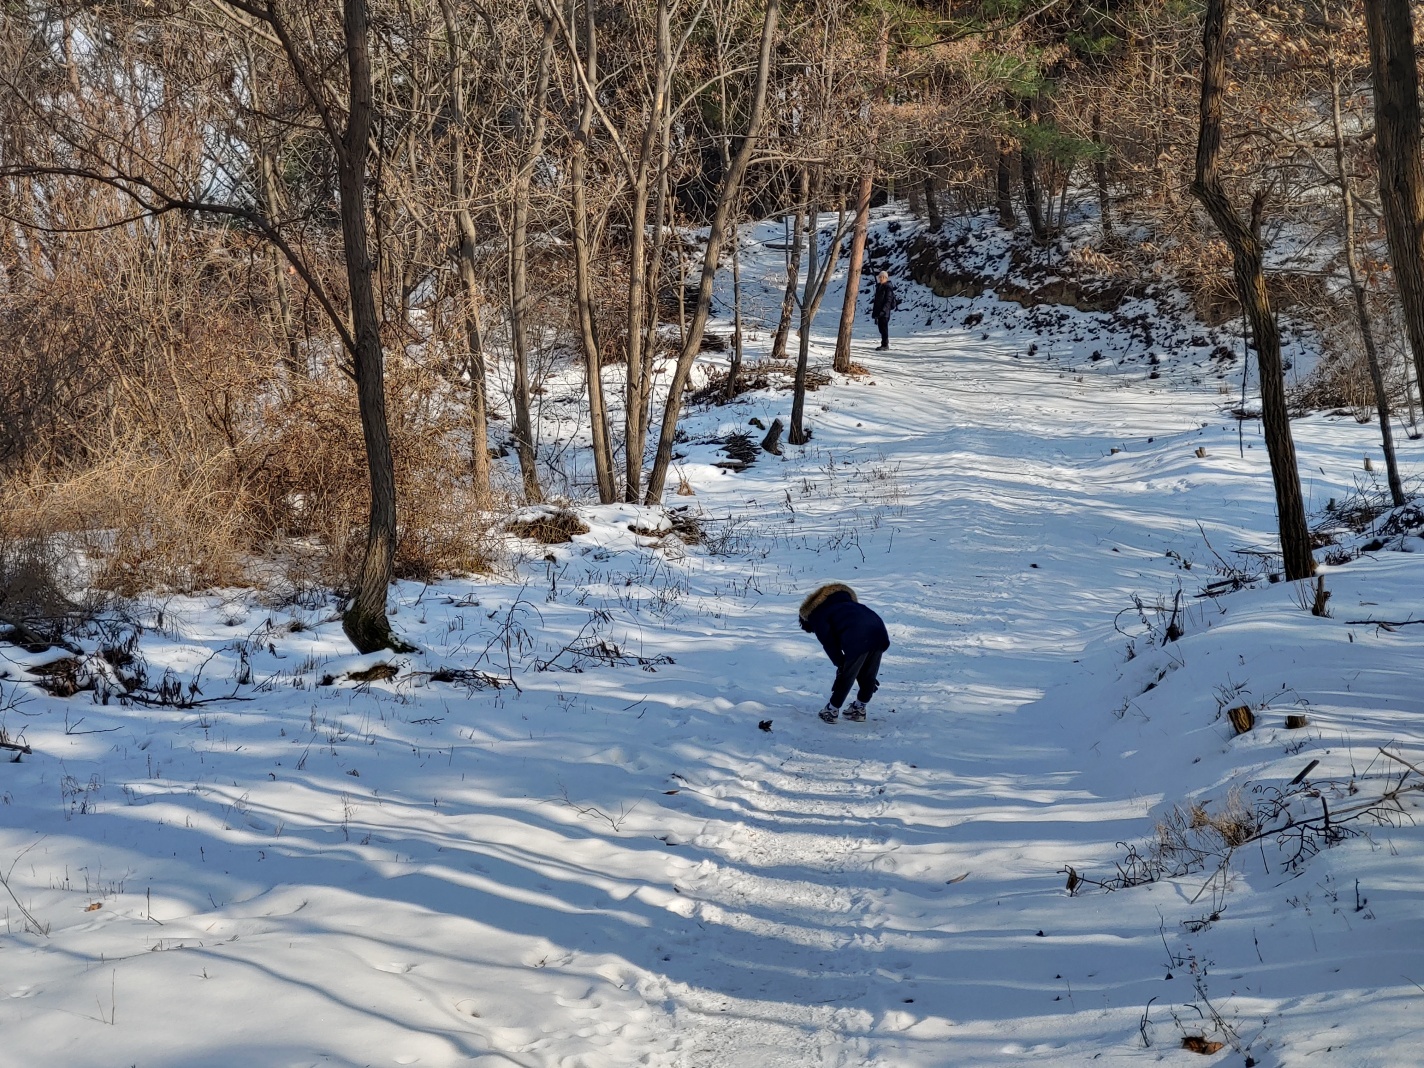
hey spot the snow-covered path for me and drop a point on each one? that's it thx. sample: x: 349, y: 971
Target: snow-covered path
x: 608, y: 864
x: 984, y: 503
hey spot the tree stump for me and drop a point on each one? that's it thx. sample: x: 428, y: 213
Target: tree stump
x: 1242, y: 719
x: 772, y: 442
x: 1296, y: 721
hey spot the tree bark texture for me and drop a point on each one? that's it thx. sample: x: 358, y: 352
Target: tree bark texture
x: 817, y: 278
x: 1100, y: 176
x: 841, y: 361
x: 1401, y: 170
x: 365, y: 621
x: 1246, y: 258
x: 734, y: 366
x: 931, y: 181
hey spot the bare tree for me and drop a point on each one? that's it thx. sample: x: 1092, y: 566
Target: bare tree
x: 796, y: 241
x: 1400, y: 150
x: 466, y: 254
x: 583, y: 255
x: 1244, y: 239
x: 818, y: 276
x: 1357, y: 286
x: 841, y: 361
x: 728, y: 194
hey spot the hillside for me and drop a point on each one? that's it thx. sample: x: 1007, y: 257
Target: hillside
x: 555, y: 834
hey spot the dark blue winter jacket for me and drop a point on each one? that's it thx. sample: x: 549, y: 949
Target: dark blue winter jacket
x: 884, y: 301
x: 845, y: 628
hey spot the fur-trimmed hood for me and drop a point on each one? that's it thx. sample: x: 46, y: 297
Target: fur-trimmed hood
x: 818, y: 598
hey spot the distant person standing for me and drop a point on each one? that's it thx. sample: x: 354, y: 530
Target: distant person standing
x: 882, y: 305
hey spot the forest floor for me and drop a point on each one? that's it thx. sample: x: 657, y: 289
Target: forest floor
x: 594, y: 821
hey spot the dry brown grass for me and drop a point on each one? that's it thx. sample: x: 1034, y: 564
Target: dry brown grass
x: 550, y: 526
x: 134, y: 521
x: 1198, y: 827
x: 210, y: 483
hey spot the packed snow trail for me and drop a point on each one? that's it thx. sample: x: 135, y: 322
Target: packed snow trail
x: 998, y: 499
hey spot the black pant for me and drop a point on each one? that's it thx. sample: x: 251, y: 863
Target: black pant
x: 883, y: 321
x: 861, y: 670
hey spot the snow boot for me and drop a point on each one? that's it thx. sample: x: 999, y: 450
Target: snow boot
x: 830, y: 713
x: 856, y: 712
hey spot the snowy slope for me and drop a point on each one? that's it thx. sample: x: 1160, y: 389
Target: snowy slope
x: 557, y: 836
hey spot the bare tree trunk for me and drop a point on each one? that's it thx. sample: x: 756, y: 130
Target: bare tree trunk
x: 1003, y: 188
x: 808, y: 306
x: 1100, y: 176
x: 793, y: 271
x: 1061, y: 217
x: 1246, y: 255
x: 734, y: 367
x: 716, y: 234
x: 841, y: 362
x: 817, y: 278
x: 724, y: 144
x: 637, y: 384
x: 1401, y: 169
x: 474, y: 362
x: 932, y: 210
x: 365, y: 621
x: 583, y: 272
x: 1357, y: 287
x: 1032, y: 187
x: 533, y: 142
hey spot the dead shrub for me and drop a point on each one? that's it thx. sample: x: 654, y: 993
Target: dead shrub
x: 147, y: 516
x: 138, y: 522
x: 547, y: 525
x: 769, y: 374
x: 1198, y: 828
x: 36, y: 602
x: 1188, y: 838
x: 1340, y: 381
x: 62, y: 678
x: 157, y: 432
x: 312, y: 482
x: 1202, y: 1045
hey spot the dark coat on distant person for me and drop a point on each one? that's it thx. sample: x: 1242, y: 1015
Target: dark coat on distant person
x: 845, y: 628
x: 884, y: 301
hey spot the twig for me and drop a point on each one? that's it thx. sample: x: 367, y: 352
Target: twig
x: 1400, y: 759
x: 5, y: 881
x: 1226, y: 565
x: 151, y: 702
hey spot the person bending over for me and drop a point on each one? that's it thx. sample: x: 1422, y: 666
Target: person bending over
x: 854, y: 637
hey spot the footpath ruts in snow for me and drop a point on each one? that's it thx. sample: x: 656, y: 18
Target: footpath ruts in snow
x: 555, y: 836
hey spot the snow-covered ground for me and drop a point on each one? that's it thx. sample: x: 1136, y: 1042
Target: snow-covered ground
x: 557, y: 836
